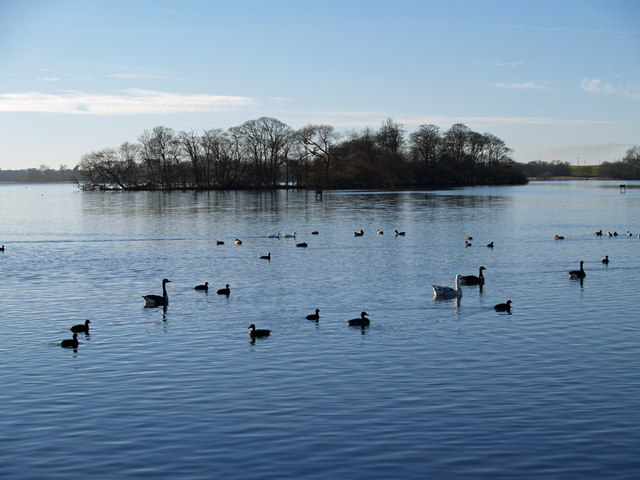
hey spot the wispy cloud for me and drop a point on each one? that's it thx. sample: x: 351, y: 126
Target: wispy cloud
x: 513, y: 64
x: 596, y: 85
x: 522, y: 86
x: 137, y: 76
x: 49, y: 79
x: 130, y: 102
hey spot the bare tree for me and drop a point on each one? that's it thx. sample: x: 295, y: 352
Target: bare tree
x: 320, y: 142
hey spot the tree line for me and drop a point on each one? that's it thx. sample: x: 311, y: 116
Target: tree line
x: 266, y: 153
x: 627, y: 168
x: 43, y: 174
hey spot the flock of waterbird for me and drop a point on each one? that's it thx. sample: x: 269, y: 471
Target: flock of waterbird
x: 439, y: 291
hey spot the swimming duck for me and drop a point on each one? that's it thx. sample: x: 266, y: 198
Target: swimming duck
x: 609, y: 234
x: 315, y: 232
x: 469, y: 237
x: 578, y: 273
x: 598, y: 233
x: 467, y: 243
x: 472, y: 279
x: 314, y: 316
x: 629, y: 234
x: 363, y: 321
x: 219, y: 242
x: 302, y: 245
x: 266, y: 257
x: 225, y: 291
x: 559, y: 237
x: 204, y: 287
x: 503, y: 307
x: 238, y: 241
x: 490, y: 245
x: 448, y: 292
x: 82, y: 328
x: 2, y: 248
x: 605, y: 260
x: 358, y: 234
x: 400, y: 234
x: 71, y: 342
x: 157, y: 300
x: 253, y: 333
x: 380, y: 232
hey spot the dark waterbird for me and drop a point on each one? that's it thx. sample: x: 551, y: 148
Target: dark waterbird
x: 358, y: 234
x: 204, y: 287
x: 605, y: 260
x: 302, y: 245
x: 82, y: 328
x: 219, y: 242
x: 472, y: 279
x: 490, y: 245
x: 157, y: 300
x: 503, y: 307
x: 400, y: 234
x: 225, y: 291
x: 70, y: 342
x: 360, y: 322
x: 2, y: 248
x: 578, y: 273
x: 314, y: 316
x: 258, y: 333
x: 315, y: 232
x: 266, y: 257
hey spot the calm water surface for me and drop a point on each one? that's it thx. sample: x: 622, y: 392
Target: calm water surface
x: 432, y: 389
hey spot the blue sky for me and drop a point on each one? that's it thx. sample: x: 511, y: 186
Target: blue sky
x: 556, y: 80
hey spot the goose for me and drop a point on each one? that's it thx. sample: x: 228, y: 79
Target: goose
x: 71, y: 342
x: 380, y: 232
x: 238, y: 241
x: 82, y: 328
x: 559, y: 237
x: 290, y: 235
x: 204, y: 287
x: 605, y: 260
x: 400, y: 234
x: 472, y: 279
x: 315, y: 232
x: 302, y: 245
x: 358, y: 234
x: 225, y: 291
x: 360, y: 322
x: 219, y: 242
x: 258, y: 333
x: 314, y: 316
x: 490, y: 245
x: 598, y: 233
x: 266, y: 257
x: 157, y: 300
x: 503, y: 307
x: 448, y: 292
x: 578, y: 273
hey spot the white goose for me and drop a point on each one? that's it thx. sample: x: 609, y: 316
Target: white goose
x: 448, y: 292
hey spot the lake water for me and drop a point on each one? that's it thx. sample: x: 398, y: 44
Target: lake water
x: 431, y: 389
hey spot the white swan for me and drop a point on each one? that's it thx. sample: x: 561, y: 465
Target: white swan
x: 275, y: 235
x: 448, y: 292
x: 290, y: 235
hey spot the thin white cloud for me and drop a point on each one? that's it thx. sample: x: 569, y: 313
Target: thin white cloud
x: 521, y: 86
x: 136, y: 76
x: 596, y: 85
x: 130, y: 102
x: 514, y: 64
x: 49, y: 79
